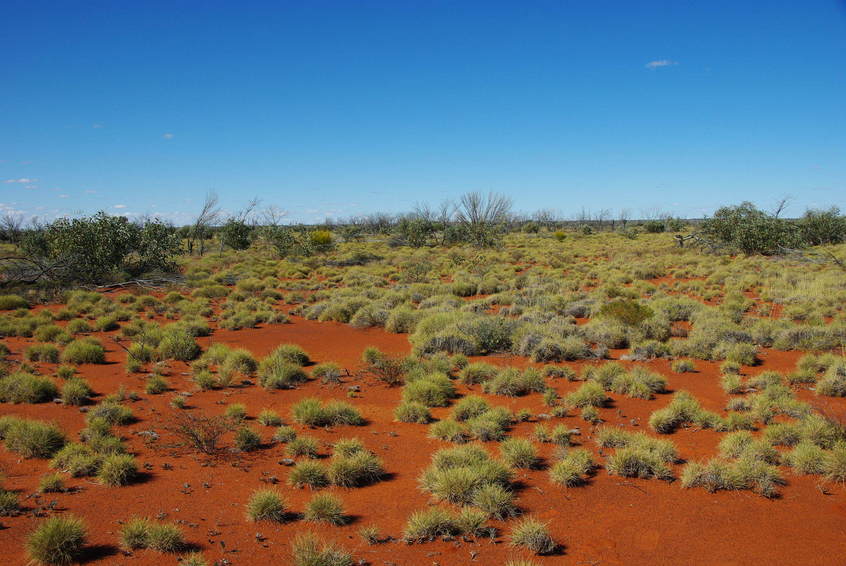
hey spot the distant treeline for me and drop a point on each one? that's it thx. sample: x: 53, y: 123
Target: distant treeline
x: 102, y: 247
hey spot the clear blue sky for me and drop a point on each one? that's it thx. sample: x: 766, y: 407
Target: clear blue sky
x: 339, y: 108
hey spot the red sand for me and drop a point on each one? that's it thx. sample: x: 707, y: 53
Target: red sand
x: 611, y: 521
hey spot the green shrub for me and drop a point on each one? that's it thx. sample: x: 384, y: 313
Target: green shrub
x: 433, y: 390
x: 311, y: 412
x: 716, y: 475
x: 57, y: 540
x: 412, y: 412
x: 573, y: 468
x: 42, y: 353
x: 284, y: 434
x: 327, y: 372
x: 325, y: 508
x: 32, y: 439
x: 51, y: 483
x: 84, y: 351
x: 311, y: 474
x: 247, y: 440
x: 22, y: 387
x: 806, y: 458
x: 683, y: 409
x: 495, y: 501
x: 117, y: 470
x: 533, y: 535
x: 308, y: 550
x: 280, y: 374
x: 429, y: 524
x: 302, y: 446
x: 266, y: 505
x: 12, y: 302
x: 268, y: 417
x: 354, y: 470
x: 9, y: 505
x: 76, y: 392
x: 590, y: 394
x: 519, y: 453
x: 155, y: 385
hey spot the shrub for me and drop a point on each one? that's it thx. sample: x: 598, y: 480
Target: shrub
x: 117, y: 470
x: 193, y: 559
x: 412, y: 412
x: 717, y: 474
x: 33, y: 439
x: 532, y: 535
x: 280, y: 374
x: 42, y: 353
x: 357, y: 469
x: 9, y: 505
x: 448, y: 430
x: 291, y: 353
x: 325, y: 508
x: 590, y: 394
x: 434, y: 390
x: 302, y: 446
x: 21, y: 387
x: 178, y: 344
x: 519, y: 453
x: 57, y: 540
x: 683, y: 366
x: 806, y: 458
x: 495, y: 500
x: 247, y: 440
x: 429, y: 524
x: 572, y: 469
x: 628, y: 312
x: 236, y: 412
x: 470, y: 407
x: 327, y: 372
x: 477, y: 372
x: 834, y: 466
x: 683, y: 409
x: 76, y: 392
x: 284, y: 434
x: 268, y: 417
x: 203, y: 433
x: 311, y: 474
x: 311, y: 412
x: 51, y: 483
x: 12, y: 302
x: 135, y: 533
x: 266, y: 505
x: 833, y: 383
x: 155, y: 385
x: 307, y: 550
x: 84, y: 351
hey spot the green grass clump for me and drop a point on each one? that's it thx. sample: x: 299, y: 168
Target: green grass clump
x: 636, y: 454
x: 429, y: 524
x: 155, y: 385
x: 83, y: 351
x: 247, y: 440
x: 284, y: 434
x: 42, y: 353
x: 266, y: 505
x: 469, y: 407
x: 138, y: 533
x: 51, y: 483
x: 519, y: 453
x: 312, y: 412
x: 412, y: 412
x: 22, y: 387
x: 278, y: 374
x: 12, y: 302
x: 806, y: 458
x: 76, y: 392
x: 356, y: 469
x: 743, y: 474
x: 32, y: 439
x: 683, y: 409
x: 268, y: 417
x: 9, y: 505
x: 308, y: 550
x: 683, y: 366
x: 117, y: 469
x: 431, y: 390
x: 573, y: 468
x: 590, y: 394
x: 325, y: 508
x: 58, y: 540
x: 311, y: 474
x: 302, y: 446
x: 533, y: 535
x: 456, y: 474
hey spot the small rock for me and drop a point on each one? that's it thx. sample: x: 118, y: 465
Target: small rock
x: 286, y: 462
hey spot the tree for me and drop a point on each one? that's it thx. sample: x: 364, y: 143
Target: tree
x: 483, y: 217
x: 823, y: 226
x: 208, y: 215
x: 749, y: 230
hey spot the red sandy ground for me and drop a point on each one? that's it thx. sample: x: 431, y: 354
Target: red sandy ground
x: 612, y: 521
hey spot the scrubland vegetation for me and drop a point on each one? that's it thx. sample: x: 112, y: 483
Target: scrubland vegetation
x: 510, y: 357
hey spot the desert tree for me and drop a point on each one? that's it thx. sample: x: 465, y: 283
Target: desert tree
x: 483, y: 216
x: 201, y: 228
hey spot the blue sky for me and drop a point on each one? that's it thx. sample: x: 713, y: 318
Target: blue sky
x: 341, y: 108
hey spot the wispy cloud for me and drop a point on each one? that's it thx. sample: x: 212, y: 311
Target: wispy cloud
x: 97, y: 126
x: 660, y: 63
x: 120, y: 206
x: 168, y: 136
x: 22, y: 180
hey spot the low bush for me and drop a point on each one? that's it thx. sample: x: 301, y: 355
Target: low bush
x: 573, y: 468
x: 76, y: 392
x: 325, y: 508
x: 308, y: 550
x: 84, y: 351
x: 22, y: 387
x: 117, y: 469
x: 42, y: 353
x: 532, y: 535
x: 32, y: 439
x: 302, y: 446
x: 312, y: 412
x: 412, y: 412
x: 247, y: 440
x: 58, y: 540
x: 519, y: 453
x: 743, y: 474
x: 266, y: 505
x: 311, y: 474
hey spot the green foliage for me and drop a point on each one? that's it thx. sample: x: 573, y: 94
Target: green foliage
x: 749, y: 230
x: 58, y: 540
x: 266, y: 505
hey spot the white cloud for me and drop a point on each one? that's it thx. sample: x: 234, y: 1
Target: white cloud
x: 97, y: 126
x: 168, y: 136
x: 120, y: 206
x: 90, y: 192
x: 658, y: 63
x: 64, y: 196
x: 22, y: 180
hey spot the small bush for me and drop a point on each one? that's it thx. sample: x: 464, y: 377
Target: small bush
x: 12, y: 302
x: 117, y: 469
x: 325, y: 508
x: 311, y: 412
x: 51, y: 483
x: 311, y: 474
x: 42, y: 353
x: 155, y: 385
x: 683, y: 366
x: 327, y: 372
x: 57, y: 540
x: 22, y: 387
x: 76, y: 392
x: 83, y: 351
x: 9, y: 505
x: 519, y: 453
x: 247, y: 440
x: 308, y: 550
x: 266, y: 505
x: 33, y: 439
x: 412, y: 412
x: 302, y: 446
x: 268, y: 417
x: 532, y: 535
x: 572, y: 469
x: 429, y: 524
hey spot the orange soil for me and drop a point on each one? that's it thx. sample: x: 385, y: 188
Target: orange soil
x: 611, y: 521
